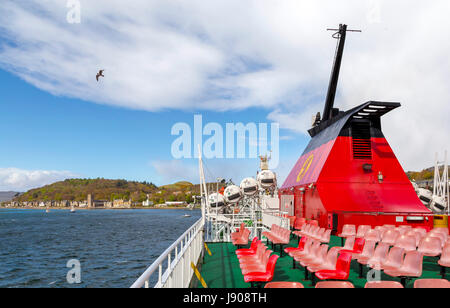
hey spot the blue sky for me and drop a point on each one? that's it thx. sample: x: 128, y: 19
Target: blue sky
x: 228, y: 60
x: 47, y: 132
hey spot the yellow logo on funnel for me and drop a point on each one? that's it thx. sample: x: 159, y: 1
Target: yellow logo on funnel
x: 305, y: 167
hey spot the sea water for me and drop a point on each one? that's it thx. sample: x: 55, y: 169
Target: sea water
x: 113, y: 247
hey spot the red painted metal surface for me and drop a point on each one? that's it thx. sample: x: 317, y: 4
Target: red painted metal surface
x: 328, y: 180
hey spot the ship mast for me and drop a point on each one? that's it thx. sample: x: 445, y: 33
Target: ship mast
x: 340, y: 35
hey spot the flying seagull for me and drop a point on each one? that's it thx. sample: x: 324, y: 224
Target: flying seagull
x: 99, y: 74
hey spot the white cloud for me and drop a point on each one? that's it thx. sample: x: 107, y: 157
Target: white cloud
x: 15, y: 179
x: 232, y: 55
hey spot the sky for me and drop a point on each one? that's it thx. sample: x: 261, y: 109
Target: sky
x: 228, y: 61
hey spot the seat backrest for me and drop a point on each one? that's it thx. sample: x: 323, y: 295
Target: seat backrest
x: 266, y: 256
x: 334, y: 285
x: 332, y: 256
x: 413, y: 263
x: 383, y: 285
x: 418, y: 236
x: 362, y: 230
x: 302, y: 242
x: 373, y: 235
x: 443, y: 230
x: 314, y: 222
x: 254, y: 243
x: 326, y: 236
x: 406, y: 242
x: 395, y: 256
x: 420, y: 230
x: 314, y: 248
x: 381, y: 252
x: 260, y: 249
x: 322, y: 253
x: 343, y: 263
x: 349, y: 229
x: 445, y: 256
x: 299, y: 223
x: 390, y: 236
x: 431, y: 283
x: 270, y: 268
x: 359, y: 244
x: 430, y: 243
x: 349, y: 242
x: 369, y: 248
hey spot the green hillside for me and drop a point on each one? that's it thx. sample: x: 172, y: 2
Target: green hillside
x: 78, y: 189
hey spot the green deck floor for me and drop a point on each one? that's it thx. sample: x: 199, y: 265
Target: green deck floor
x: 221, y: 270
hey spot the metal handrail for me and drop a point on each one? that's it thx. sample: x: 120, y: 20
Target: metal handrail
x: 157, y: 264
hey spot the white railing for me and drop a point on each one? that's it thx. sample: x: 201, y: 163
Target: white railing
x: 268, y: 219
x: 177, y: 258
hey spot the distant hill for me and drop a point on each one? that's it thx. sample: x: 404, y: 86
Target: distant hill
x: 8, y: 195
x: 177, y: 186
x: 425, y: 174
x: 101, y: 189
x: 108, y: 190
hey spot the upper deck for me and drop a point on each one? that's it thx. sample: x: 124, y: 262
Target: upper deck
x: 221, y: 270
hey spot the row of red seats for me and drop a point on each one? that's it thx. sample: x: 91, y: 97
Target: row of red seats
x: 240, y: 237
x: 389, y: 233
x: 256, y: 263
x: 419, y: 283
x: 315, y: 232
x: 434, y: 243
x: 278, y: 236
x: 324, y: 264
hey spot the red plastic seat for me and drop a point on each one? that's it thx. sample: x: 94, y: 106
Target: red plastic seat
x: 362, y: 230
x: 431, y: 283
x: 411, y: 267
x: 301, y: 245
x: 334, y: 285
x: 307, y: 253
x: 444, y: 261
x: 250, y: 250
x: 284, y: 285
x: 328, y: 264
x: 314, y: 222
x: 349, y: 243
x: 258, y: 277
x: 299, y: 223
x: 430, y: 246
x: 394, y: 259
x: 379, y: 256
x: 383, y: 285
x: 319, y: 256
x: 408, y: 243
x: 306, y: 248
x: 257, y: 255
x: 358, y: 247
x: 348, y: 230
x: 258, y: 265
x: 326, y: 236
x: 342, y: 270
x: 373, y: 235
x: 417, y: 235
x: 366, y: 254
x: 390, y: 236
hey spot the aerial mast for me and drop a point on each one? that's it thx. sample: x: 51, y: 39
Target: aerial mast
x: 340, y: 35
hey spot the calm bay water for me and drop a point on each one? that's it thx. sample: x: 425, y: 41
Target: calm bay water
x: 114, y: 247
